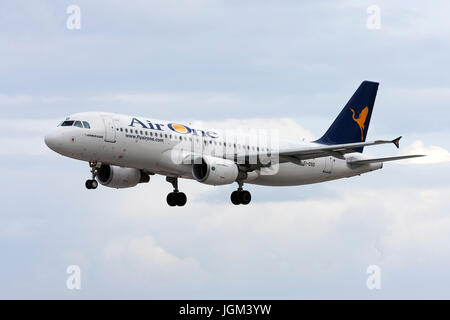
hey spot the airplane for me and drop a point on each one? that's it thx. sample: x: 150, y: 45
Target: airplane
x: 124, y: 151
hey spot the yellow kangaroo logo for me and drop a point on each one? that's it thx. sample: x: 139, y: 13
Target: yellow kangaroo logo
x: 361, y: 120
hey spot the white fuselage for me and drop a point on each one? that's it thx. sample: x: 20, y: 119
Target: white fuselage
x: 149, y: 144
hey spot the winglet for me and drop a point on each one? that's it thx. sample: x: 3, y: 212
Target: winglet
x: 397, y: 142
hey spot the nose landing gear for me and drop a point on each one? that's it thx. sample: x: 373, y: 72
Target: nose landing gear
x: 241, y: 196
x: 92, y: 184
x: 175, y: 198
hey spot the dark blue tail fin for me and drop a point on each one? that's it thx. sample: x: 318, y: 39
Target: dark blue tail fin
x: 352, y: 124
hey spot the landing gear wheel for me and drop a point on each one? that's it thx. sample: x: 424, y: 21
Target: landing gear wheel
x: 235, y: 198
x: 240, y: 196
x: 171, y: 199
x: 245, y: 197
x: 91, y: 184
x: 181, y: 199
x: 175, y: 198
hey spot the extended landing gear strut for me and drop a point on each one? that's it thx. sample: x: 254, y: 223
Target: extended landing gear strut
x: 240, y: 196
x: 175, y: 198
x: 92, y: 184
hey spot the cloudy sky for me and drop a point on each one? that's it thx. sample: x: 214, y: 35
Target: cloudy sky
x: 291, y: 65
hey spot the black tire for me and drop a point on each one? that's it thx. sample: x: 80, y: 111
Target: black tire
x: 245, y: 197
x: 88, y: 184
x: 181, y: 199
x: 235, y: 198
x: 171, y: 199
x: 94, y: 184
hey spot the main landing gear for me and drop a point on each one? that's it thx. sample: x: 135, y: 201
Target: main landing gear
x: 175, y: 198
x: 240, y: 196
x: 92, y: 184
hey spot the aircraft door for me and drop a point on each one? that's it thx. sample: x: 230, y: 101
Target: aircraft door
x: 110, y: 130
x: 329, y: 161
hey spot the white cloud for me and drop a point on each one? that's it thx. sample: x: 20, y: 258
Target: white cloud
x: 142, y: 259
x: 303, y: 242
x: 434, y: 154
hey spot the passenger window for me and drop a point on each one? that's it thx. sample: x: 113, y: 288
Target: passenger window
x: 146, y: 133
x: 126, y: 130
x: 121, y: 129
x: 67, y: 123
x: 86, y: 125
x: 78, y: 124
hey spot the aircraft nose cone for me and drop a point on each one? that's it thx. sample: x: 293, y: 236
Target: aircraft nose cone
x: 52, y: 140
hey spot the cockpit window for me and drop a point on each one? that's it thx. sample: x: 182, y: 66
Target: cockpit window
x: 86, y: 125
x: 67, y: 123
x: 78, y: 124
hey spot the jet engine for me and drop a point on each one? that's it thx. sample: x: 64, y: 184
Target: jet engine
x: 120, y: 177
x: 215, y: 171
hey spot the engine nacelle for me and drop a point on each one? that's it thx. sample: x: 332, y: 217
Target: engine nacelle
x: 120, y: 177
x: 215, y: 171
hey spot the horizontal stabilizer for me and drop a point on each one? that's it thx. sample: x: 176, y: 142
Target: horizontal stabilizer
x: 377, y: 160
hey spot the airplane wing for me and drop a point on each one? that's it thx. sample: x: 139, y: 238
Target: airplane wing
x: 377, y: 160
